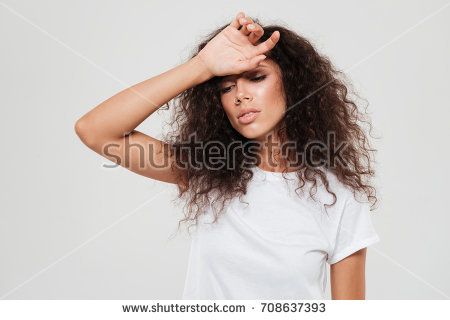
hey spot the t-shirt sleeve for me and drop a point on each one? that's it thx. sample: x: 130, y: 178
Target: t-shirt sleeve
x: 355, y: 230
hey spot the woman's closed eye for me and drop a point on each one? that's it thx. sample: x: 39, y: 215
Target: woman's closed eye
x: 255, y: 79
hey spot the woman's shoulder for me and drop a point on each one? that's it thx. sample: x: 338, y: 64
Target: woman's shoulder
x: 344, y: 193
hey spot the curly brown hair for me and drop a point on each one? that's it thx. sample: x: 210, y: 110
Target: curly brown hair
x: 318, y: 103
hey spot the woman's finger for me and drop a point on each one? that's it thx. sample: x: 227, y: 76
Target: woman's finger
x: 244, y: 22
x: 268, y: 44
x: 250, y: 63
x: 235, y: 23
x: 255, y: 33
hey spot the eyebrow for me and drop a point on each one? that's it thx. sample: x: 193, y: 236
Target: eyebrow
x: 232, y: 76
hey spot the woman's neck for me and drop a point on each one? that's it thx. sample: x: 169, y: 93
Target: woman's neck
x: 271, y: 155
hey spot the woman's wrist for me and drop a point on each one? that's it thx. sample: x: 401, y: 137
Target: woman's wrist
x: 200, y: 69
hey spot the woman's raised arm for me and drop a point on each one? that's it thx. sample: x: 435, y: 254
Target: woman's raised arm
x: 109, y: 128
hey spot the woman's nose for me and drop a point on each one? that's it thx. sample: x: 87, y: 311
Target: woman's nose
x: 241, y: 97
x: 242, y: 93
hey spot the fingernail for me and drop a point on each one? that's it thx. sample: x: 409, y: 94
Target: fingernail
x: 250, y: 26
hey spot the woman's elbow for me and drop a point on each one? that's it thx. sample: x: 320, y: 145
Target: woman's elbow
x: 84, y: 132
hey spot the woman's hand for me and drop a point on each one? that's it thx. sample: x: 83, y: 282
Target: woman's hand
x: 233, y: 51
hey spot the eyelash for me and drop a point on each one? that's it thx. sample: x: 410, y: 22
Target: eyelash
x: 256, y: 79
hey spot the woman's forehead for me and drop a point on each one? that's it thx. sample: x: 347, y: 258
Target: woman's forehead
x: 262, y: 66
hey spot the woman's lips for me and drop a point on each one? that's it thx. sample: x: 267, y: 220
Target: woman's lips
x: 249, y: 117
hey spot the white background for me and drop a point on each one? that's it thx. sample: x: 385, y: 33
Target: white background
x: 70, y: 229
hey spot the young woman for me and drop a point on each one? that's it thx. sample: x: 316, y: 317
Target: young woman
x: 268, y: 152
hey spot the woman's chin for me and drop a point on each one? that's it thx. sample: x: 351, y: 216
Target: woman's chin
x: 252, y: 133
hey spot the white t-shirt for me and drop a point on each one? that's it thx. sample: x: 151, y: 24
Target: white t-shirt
x: 277, y: 245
